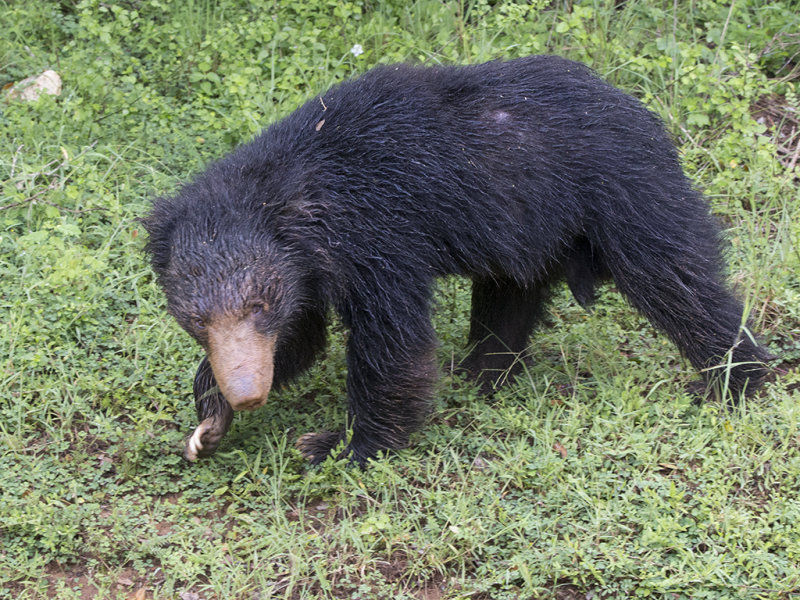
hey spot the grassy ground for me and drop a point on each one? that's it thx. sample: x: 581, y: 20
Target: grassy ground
x: 594, y: 476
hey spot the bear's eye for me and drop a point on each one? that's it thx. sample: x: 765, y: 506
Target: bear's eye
x: 257, y: 309
x: 199, y: 323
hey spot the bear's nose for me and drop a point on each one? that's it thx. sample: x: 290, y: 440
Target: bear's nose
x: 243, y: 392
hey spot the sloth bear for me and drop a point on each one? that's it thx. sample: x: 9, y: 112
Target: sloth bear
x: 516, y: 174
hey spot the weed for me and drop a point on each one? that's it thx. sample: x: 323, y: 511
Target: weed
x: 593, y: 475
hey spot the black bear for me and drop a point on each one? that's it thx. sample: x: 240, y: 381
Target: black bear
x: 516, y: 174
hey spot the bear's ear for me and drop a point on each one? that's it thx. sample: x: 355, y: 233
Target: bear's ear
x: 160, y: 225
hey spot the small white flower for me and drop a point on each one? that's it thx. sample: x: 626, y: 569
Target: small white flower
x: 356, y: 50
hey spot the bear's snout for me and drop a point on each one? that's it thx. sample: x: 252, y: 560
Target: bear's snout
x: 243, y: 362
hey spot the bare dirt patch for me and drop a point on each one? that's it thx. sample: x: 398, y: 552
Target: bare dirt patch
x: 783, y: 120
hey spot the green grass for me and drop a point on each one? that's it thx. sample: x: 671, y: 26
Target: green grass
x: 593, y: 475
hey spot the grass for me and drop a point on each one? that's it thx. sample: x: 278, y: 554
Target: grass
x: 595, y: 474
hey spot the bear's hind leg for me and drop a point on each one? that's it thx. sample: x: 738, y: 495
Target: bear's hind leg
x: 675, y: 279
x: 502, y: 318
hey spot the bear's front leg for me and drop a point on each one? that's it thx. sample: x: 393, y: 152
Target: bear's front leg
x: 214, y: 414
x: 315, y: 447
x: 391, y: 370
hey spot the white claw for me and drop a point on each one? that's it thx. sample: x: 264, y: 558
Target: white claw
x: 194, y: 445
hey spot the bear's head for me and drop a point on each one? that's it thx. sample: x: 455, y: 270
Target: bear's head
x: 229, y: 283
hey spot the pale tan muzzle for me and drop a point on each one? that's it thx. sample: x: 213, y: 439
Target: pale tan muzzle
x: 243, y: 361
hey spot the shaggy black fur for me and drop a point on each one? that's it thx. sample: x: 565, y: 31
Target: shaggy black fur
x: 516, y: 174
